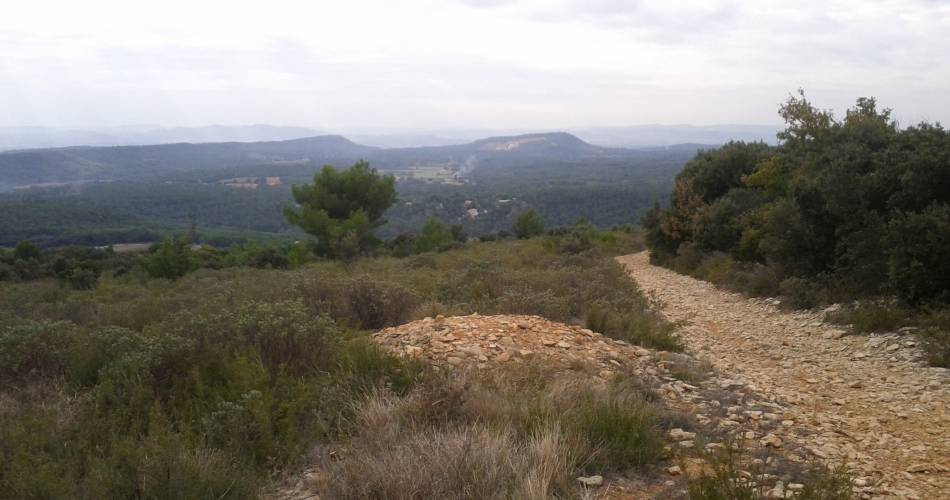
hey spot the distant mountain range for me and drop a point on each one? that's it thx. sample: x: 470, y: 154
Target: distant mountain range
x: 630, y: 137
x: 642, y: 136
x: 38, y: 167
x: 103, y: 195
x: 49, y: 137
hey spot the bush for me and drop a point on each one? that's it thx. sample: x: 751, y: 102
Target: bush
x: 919, y: 255
x: 822, y: 216
x: 640, y: 328
x: 936, y: 343
x: 522, y: 433
x: 435, y: 237
x: 716, y: 268
x: 869, y: 317
x: 734, y: 474
x: 800, y: 293
x: 222, y: 378
x: 621, y: 427
x: 35, y: 350
x: 528, y: 225
x: 170, y: 260
x: 375, y: 304
x: 26, y: 250
x: 197, y: 404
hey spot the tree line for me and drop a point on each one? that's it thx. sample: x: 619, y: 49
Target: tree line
x: 856, y: 206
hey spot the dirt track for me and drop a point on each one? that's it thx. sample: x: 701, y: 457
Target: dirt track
x: 864, y: 401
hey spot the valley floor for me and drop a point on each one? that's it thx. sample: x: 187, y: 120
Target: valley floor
x: 868, y: 402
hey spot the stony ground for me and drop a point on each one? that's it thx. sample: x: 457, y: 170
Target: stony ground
x: 866, y: 401
x: 491, y: 342
x: 784, y: 386
x: 715, y: 410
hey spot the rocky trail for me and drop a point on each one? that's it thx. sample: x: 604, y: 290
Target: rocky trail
x: 865, y: 401
x: 785, y: 387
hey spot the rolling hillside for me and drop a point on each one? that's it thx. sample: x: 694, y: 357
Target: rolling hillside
x: 100, y: 195
x: 85, y: 164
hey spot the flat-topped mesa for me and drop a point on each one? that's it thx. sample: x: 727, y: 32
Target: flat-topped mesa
x: 487, y: 342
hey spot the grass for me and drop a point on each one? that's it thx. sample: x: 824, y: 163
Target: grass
x: 734, y: 474
x: 216, y: 384
x: 211, y: 385
x: 526, y: 433
x: 868, y: 317
x: 688, y: 369
x: 932, y: 325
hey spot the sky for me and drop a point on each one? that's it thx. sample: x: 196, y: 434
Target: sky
x: 429, y: 64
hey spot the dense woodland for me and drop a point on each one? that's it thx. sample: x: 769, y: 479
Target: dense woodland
x: 842, y: 209
x: 606, y: 190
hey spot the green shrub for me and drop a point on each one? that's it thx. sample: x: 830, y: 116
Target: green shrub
x: 716, y: 268
x: 171, y: 259
x: 764, y: 281
x: 435, y: 237
x: 869, y: 317
x: 734, y: 475
x: 800, y: 293
x: 35, y: 350
x: 919, y: 255
x: 26, y: 250
x: 936, y: 343
x: 622, y: 429
x: 214, y: 382
x: 528, y: 225
x: 374, y: 304
x: 637, y: 327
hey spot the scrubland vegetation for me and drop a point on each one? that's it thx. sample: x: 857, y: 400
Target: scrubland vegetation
x: 855, y: 210
x: 212, y: 384
x: 525, y: 433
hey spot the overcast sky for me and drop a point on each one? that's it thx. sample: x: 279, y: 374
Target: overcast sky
x: 424, y: 64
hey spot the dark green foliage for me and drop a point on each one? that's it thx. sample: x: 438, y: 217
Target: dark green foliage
x: 607, y: 190
x: 435, y: 237
x: 341, y: 208
x: 919, y: 256
x: 841, y: 202
x: 171, y: 259
x: 528, y: 225
x: 77, y: 267
x: 273, y: 258
x: 26, y: 250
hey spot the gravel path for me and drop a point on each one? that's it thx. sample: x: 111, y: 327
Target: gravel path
x: 865, y: 401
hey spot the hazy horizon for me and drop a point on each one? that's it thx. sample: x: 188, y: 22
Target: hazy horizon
x: 637, y: 136
x: 430, y: 64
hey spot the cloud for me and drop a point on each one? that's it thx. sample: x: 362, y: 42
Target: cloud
x: 460, y: 63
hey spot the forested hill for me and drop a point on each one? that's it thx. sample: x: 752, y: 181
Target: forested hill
x: 77, y: 164
x: 40, y: 166
x: 233, y: 191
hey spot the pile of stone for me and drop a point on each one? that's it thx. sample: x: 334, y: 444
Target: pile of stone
x: 487, y: 342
